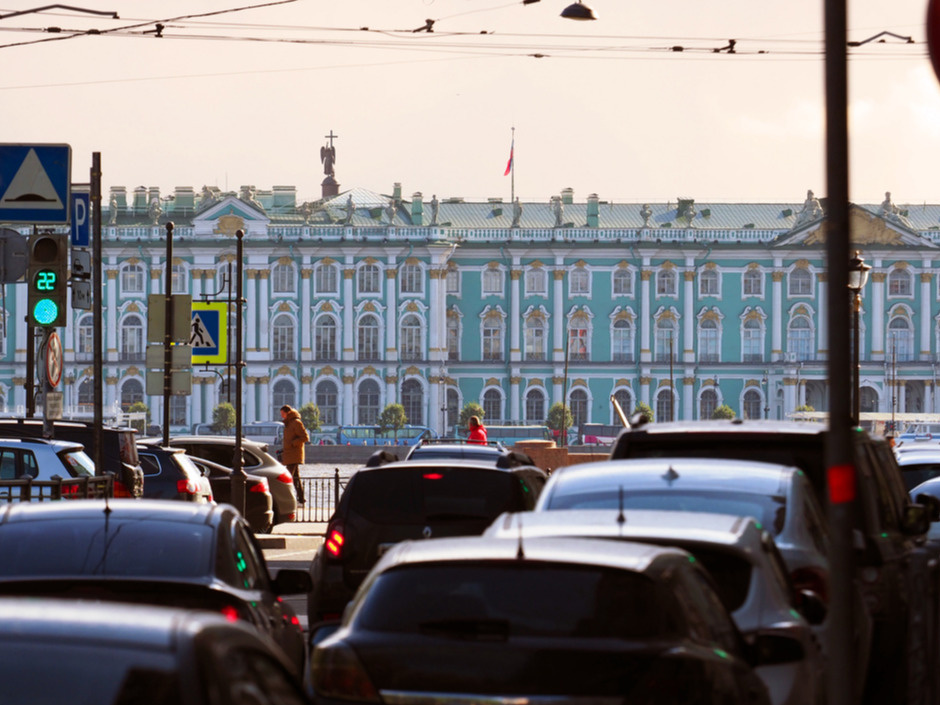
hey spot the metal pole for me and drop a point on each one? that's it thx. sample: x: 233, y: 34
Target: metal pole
x: 168, y: 334
x: 564, y: 392
x: 97, y: 314
x: 238, y: 472
x: 856, y: 362
x: 840, y: 455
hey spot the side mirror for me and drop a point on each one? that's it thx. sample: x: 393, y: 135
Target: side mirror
x: 812, y: 607
x: 289, y: 581
x: 915, y: 520
x: 770, y: 649
x: 932, y: 504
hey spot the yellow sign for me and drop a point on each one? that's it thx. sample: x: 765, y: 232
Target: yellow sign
x: 209, y: 332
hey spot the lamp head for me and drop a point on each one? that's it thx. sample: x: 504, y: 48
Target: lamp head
x: 578, y: 11
x: 858, y: 273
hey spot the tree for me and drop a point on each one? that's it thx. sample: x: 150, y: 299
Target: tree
x: 559, y: 419
x: 392, y: 417
x: 136, y: 408
x: 643, y: 408
x: 471, y: 408
x: 223, y: 418
x: 310, y: 416
x: 723, y: 412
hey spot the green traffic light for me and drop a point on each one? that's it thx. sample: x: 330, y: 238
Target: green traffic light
x: 45, y: 312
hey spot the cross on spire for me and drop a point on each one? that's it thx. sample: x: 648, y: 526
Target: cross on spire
x: 330, y: 137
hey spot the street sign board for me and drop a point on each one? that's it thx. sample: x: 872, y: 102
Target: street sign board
x: 180, y: 357
x: 52, y: 405
x: 209, y: 332
x: 181, y: 383
x: 81, y: 219
x: 14, y: 255
x: 54, y: 359
x: 156, y: 317
x: 81, y: 294
x: 81, y: 264
x: 35, y: 183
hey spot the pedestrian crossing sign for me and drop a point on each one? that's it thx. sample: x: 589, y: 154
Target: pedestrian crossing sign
x: 209, y: 333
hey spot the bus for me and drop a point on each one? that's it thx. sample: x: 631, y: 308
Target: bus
x: 371, y: 435
x: 600, y: 434
x: 510, y: 435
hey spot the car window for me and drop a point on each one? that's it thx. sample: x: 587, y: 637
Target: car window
x: 521, y: 598
x: 406, y: 495
x: 31, y: 466
x: 916, y: 473
x: 150, y: 464
x: 708, y: 620
x: 7, y: 464
x: 189, y: 470
x: 78, y: 463
x: 248, y: 564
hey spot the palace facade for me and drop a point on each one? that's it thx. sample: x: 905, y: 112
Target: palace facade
x: 364, y: 299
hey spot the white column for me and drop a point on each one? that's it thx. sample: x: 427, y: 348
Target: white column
x: 250, y: 398
x: 264, y: 411
x: 688, y: 353
x: 348, y: 417
x: 924, y: 303
x: 111, y: 316
x: 264, y: 322
x: 391, y: 313
x: 645, y: 323
x: 822, y: 327
x: 306, y: 339
x: 877, y: 299
x: 514, y: 395
x: 559, y: 318
x: 250, y: 311
x: 349, y: 322
x: 790, y: 401
x: 688, y: 398
x: 195, y: 409
x: 515, y: 351
x: 776, y: 318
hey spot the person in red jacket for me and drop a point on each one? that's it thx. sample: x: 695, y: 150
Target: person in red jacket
x: 477, y: 431
x: 295, y: 438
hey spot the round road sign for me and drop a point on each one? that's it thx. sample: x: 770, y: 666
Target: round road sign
x: 54, y: 359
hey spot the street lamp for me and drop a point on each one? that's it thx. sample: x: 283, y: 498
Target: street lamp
x: 578, y: 11
x: 858, y: 277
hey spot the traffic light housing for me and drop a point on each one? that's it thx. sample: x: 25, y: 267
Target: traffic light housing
x: 47, y: 279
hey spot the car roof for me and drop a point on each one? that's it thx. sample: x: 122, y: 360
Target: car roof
x: 747, y: 476
x: 914, y: 457
x: 636, y: 557
x: 115, y: 510
x: 736, y: 426
x: 447, y: 463
x: 54, y: 443
x: 217, y: 440
x: 632, y: 524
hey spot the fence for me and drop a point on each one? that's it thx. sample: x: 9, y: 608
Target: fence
x: 322, y: 495
x: 26, y: 489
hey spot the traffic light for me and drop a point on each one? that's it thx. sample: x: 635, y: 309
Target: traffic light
x: 47, y: 279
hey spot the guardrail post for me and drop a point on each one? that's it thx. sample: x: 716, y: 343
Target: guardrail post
x: 335, y: 488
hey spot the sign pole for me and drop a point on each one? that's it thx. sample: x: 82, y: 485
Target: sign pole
x: 168, y: 335
x: 97, y: 313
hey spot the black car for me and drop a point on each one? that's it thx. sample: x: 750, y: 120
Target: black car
x: 180, y: 554
x: 170, y: 474
x: 72, y: 651
x: 457, y: 449
x: 409, y: 499
x: 889, y: 526
x: 258, y: 503
x: 482, y: 620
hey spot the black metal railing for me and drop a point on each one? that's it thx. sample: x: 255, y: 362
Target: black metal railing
x: 26, y: 489
x: 322, y: 495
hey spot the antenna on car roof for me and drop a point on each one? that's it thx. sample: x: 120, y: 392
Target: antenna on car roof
x: 621, y: 519
x: 520, y: 553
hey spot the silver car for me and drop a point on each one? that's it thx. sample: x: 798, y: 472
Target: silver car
x: 748, y: 570
x: 42, y: 460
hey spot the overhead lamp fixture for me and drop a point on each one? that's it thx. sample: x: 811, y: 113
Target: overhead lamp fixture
x: 578, y: 11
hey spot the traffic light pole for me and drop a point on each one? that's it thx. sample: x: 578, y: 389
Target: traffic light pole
x: 168, y: 335
x: 97, y: 312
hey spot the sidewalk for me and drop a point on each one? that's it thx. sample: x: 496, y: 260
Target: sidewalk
x: 296, y: 534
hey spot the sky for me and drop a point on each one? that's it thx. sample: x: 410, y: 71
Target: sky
x: 248, y: 97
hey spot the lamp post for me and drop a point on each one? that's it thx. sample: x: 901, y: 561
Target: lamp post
x: 766, y: 383
x: 858, y: 277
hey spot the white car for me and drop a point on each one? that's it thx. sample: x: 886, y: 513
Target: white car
x: 741, y: 557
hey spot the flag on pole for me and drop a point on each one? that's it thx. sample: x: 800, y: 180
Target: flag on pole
x: 512, y: 148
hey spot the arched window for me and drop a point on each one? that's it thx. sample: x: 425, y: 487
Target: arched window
x: 325, y: 338
x: 752, y: 340
x: 327, y: 401
x: 412, y: 279
x: 664, y: 405
x: 800, y: 282
x: 535, y: 338
x: 709, y: 283
x: 282, y: 343
x: 708, y: 340
x: 179, y: 406
x: 868, y: 400
x: 453, y: 410
x: 492, y: 282
x: 132, y: 279
x: 666, y: 282
x: 493, y: 338
x: 579, y: 337
x: 625, y: 399
x: 707, y: 403
x: 180, y: 279
x: 84, y: 339
x: 621, y: 342
x: 622, y: 283
x: 535, y: 406
x: 410, y: 345
x: 578, y: 403
x: 899, y: 282
x: 326, y: 279
x: 493, y: 405
x: 900, y: 340
x: 579, y: 282
x: 369, y: 279
x: 132, y: 339
x: 282, y: 279
x: 666, y: 339
x: 453, y: 338
x: 86, y: 394
x: 800, y: 338
x: 368, y: 338
x: 283, y: 393
x: 752, y: 403
x: 412, y: 398
x: 752, y: 283
x: 535, y: 282
x: 368, y: 402
x: 132, y: 391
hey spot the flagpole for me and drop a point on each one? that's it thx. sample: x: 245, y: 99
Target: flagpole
x: 512, y: 176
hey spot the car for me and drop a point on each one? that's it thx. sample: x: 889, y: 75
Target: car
x: 170, y: 474
x: 33, y: 469
x: 478, y: 619
x: 742, y: 558
x: 409, y: 499
x: 181, y: 554
x: 255, y: 460
x: 258, y: 503
x: 59, y: 651
x: 919, y: 466
x: 888, y: 525
x: 118, y: 451
x: 454, y: 448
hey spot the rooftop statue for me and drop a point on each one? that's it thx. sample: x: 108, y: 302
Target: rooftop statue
x: 811, y: 210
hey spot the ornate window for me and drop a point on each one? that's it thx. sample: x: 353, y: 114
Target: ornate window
x: 625, y: 399
x: 84, y: 339
x: 665, y: 404
x: 453, y: 338
x: 325, y: 338
x: 579, y: 282
x: 900, y: 339
x: 132, y: 279
x: 493, y: 338
x: 86, y: 394
x: 132, y: 339
x: 369, y: 400
x: 752, y: 340
x: 493, y: 405
x: 752, y: 404
x: 327, y: 401
x: 282, y: 279
x: 666, y: 282
x: 492, y: 282
x: 132, y: 391
x: 535, y: 338
x: 369, y: 279
x: 800, y: 282
x: 282, y: 340
x: 536, y: 282
x: 579, y: 337
x: 800, y: 338
x: 708, y: 340
x: 411, y: 279
x: 453, y: 280
x: 666, y: 340
x: 621, y: 341
x: 368, y: 338
x: 709, y: 283
x: 180, y: 279
x: 899, y: 282
x: 752, y: 283
x: 535, y: 406
x: 707, y: 403
x: 578, y: 403
x: 622, y: 282
x: 410, y: 344
x: 179, y: 405
x: 412, y: 398
x: 326, y: 279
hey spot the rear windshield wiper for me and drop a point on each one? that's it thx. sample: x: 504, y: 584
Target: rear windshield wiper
x: 479, y: 629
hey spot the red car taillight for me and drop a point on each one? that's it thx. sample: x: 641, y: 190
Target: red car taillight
x: 230, y: 613
x: 285, y: 478
x: 334, y: 541
x: 120, y: 489
x: 338, y: 673
x: 187, y: 487
x: 259, y: 487
x: 812, y: 579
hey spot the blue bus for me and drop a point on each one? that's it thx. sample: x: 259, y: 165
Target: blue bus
x: 510, y: 435
x: 371, y: 436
